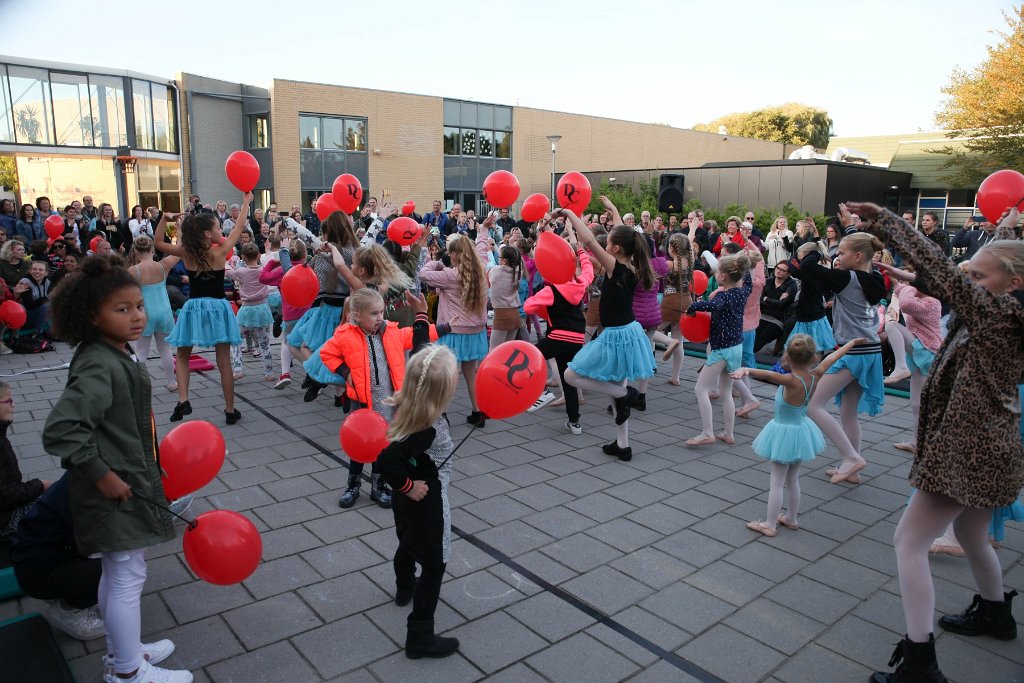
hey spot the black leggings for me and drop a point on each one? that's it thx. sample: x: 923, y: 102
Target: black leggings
x: 563, y: 352
x: 428, y: 588
x: 75, y: 581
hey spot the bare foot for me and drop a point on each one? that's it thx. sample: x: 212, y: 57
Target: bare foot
x: 674, y: 382
x: 727, y: 439
x: 748, y: 409
x: 671, y: 349
x: 897, y: 376
x: 700, y: 440
x: 906, y: 446
x: 762, y: 528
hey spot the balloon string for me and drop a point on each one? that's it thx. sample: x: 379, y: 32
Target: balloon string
x: 192, y: 524
x: 472, y: 429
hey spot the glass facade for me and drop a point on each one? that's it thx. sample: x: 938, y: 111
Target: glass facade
x: 72, y: 109
x: 328, y: 147
x: 477, y: 140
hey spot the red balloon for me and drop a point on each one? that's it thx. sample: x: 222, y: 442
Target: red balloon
x: 573, y: 192
x: 348, y: 192
x: 363, y: 435
x: 191, y: 455
x: 243, y: 170
x: 696, y: 328
x: 535, y: 206
x: 501, y: 189
x: 403, y: 230
x: 12, y: 314
x: 223, y: 548
x: 54, y: 227
x: 510, y: 378
x: 325, y: 206
x: 554, y: 257
x: 408, y: 208
x: 1000, y: 191
x: 699, y: 282
x: 94, y: 243
x: 299, y: 286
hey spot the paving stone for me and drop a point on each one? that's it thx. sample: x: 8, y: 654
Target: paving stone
x: 267, y: 621
x: 829, y: 525
x: 484, y: 486
x: 271, y: 664
x: 398, y: 667
x: 241, y: 499
x: 348, y: 524
x: 726, y: 489
x: 601, y: 507
x: 341, y: 558
x: 196, y: 600
x: 815, y: 663
x: 550, y: 616
x: 775, y: 625
x: 696, y: 503
x: 624, y: 535
x: 545, y: 568
x: 478, y: 594
x: 731, y: 655
x: 392, y: 619
x: 288, y: 513
x: 279, y: 576
x: 663, y: 672
x: 166, y: 571
x: 517, y: 673
x: 813, y: 599
x: 653, y: 567
x: 628, y: 647
x: 727, y: 529
x: 344, y: 596
x: 514, y: 538
x: 498, y: 510
x: 287, y: 541
x: 581, y: 658
x: 654, y: 629
x: 466, y: 558
x: 580, y: 552
x: 560, y: 465
x: 729, y: 582
x: 662, y: 518
x: 295, y: 487
x: 540, y: 496
x: 846, y: 576
x: 860, y: 641
x: 362, y: 643
x: 607, y: 589
x: 692, y: 548
x: 559, y: 522
x: 477, y: 641
x: 687, y: 607
x: 962, y: 660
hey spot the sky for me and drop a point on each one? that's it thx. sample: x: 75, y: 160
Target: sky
x: 877, y: 66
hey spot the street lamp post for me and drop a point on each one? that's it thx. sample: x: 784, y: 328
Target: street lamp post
x: 553, y: 139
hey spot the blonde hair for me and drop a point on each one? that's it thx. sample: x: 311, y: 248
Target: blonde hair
x: 1009, y: 254
x: 806, y: 248
x: 775, y: 223
x: 801, y: 350
x: 734, y: 266
x: 887, y: 257
x: 680, y: 245
x: 297, y: 251
x: 141, y: 246
x: 808, y: 228
x: 472, y: 288
x: 429, y: 381
x: 362, y: 299
x: 863, y: 243
x: 381, y: 270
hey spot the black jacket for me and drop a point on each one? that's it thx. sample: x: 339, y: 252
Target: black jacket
x: 14, y: 493
x: 47, y: 534
x: 772, y: 303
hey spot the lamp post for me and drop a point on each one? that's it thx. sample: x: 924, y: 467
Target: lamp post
x: 553, y: 139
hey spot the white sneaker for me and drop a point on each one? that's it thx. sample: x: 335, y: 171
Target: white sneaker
x: 5, y: 349
x: 83, y: 624
x: 148, y: 673
x: 178, y: 507
x: 542, y: 400
x: 574, y: 427
x: 154, y: 653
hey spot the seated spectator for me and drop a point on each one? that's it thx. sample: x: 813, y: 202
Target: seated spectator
x: 8, y: 294
x: 780, y: 292
x: 8, y: 216
x: 69, y: 264
x: 48, y: 566
x: 16, y: 496
x: 28, y: 225
x: 177, y: 285
x: 13, y: 266
x: 56, y: 253
x: 37, y: 296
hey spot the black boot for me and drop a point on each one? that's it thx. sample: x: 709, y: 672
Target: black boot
x: 641, y: 402
x: 420, y: 641
x: 404, y: 593
x: 624, y: 404
x: 379, y: 491
x: 351, y: 494
x: 984, y: 618
x: 916, y: 662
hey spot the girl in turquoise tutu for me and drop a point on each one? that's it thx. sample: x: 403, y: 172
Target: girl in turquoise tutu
x: 254, y: 316
x: 790, y: 438
x: 207, y: 318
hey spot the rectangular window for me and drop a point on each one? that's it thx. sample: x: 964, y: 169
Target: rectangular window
x: 503, y: 118
x: 6, y: 117
x: 334, y: 133
x: 259, y: 131
x: 30, y: 103
x: 71, y: 109
x: 309, y: 132
x: 486, y: 143
x: 502, y: 145
x: 355, y: 135
x: 164, y: 118
x: 106, y: 94
x: 142, y: 106
x: 468, y: 143
x: 452, y: 144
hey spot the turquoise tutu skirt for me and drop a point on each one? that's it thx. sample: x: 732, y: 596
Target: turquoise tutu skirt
x: 1000, y: 516
x: 920, y: 358
x: 466, y: 347
x: 789, y: 443
x: 316, y: 326
x: 159, y: 318
x: 867, y: 372
x: 205, y: 322
x: 255, y: 316
x: 316, y: 369
x: 820, y: 331
x: 618, y: 354
x: 733, y: 357
x: 274, y: 301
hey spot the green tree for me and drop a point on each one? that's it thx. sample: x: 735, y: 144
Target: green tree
x: 985, y: 110
x: 792, y: 123
x: 8, y: 173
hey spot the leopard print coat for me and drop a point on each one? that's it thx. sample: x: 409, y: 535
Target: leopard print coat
x: 968, y: 436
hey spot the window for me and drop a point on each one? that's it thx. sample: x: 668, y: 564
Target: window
x: 6, y: 120
x: 164, y: 118
x: 330, y: 146
x: 503, y: 118
x: 355, y: 135
x: 309, y: 132
x: 259, y: 131
x: 72, y: 110
x: 142, y: 103
x: 30, y: 105
x: 334, y: 133
x: 106, y: 95
x: 451, y: 141
x: 468, y: 143
x: 477, y: 130
x: 486, y: 143
x: 502, y: 145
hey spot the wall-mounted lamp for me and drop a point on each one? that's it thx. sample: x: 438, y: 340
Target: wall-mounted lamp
x: 376, y: 151
x: 612, y: 179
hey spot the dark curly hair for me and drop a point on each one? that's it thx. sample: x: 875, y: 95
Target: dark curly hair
x: 193, y: 237
x: 78, y: 297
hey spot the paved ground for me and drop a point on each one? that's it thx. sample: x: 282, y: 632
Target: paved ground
x: 569, y: 566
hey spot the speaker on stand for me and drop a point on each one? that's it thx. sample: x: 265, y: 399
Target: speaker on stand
x: 670, y: 193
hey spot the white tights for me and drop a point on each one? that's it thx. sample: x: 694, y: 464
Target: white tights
x: 846, y: 437
x: 120, y: 593
x: 613, y: 389
x: 788, y: 477
x: 925, y: 518
x: 712, y: 378
x: 502, y: 336
x: 900, y: 339
x: 162, y: 348
x: 677, y: 357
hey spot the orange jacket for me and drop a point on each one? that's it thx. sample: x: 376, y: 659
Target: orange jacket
x: 348, y: 347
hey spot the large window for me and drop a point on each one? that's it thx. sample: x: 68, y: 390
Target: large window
x: 106, y: 94
x: 328, y: 147
x: 477, y: 130
x: 30, y: 105
x: 163, y: 118
x: 259, y: 131
x: 72, y: 111
x: 143, y: 109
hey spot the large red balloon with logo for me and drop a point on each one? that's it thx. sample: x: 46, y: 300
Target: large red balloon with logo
x: 243, y: 170
x: 510, y: 379
x: 363, y: 435
x: 501, y: 189
x: 223, y: 547
x: 191, y: 455
x: 696, y: 328
x: 299, y: 286
x: 1000, y: 191
x: 408, y: 208
x: 699, y: 282
x: 535, y: 206
x: 403, y: 230
x: 325, y: 206
x: 12, y: 314
x: 54, y: 227
x: 573, y: 192
x: 555, y: 259
x: 348, y: 192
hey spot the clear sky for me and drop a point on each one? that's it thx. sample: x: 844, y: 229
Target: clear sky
x: 877, y: 66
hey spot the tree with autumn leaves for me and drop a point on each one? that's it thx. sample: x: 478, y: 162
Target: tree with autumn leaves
x: 793, y: 124
x: 985, y: 110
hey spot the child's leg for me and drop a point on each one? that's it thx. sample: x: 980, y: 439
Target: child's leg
x: 775, y: 490
x: 141, y: 346
x: 405, y: 567
x: 120, y: 593
x: 900, y: 339
x: 262, y: 335
x: 828, y: 387
x: 849, y: 417
x: 500, y: 337
x: 227, y: 379
x: 926, y: 516
x: 236, y: 358
x: 469, y: 372
x: 916, y: 385
x: 572, y: 398
x: 792, y: 492
x: 166, y: 361
x: 612, y: 389
x: 677, y: 357
x: 707, y: 381
x: 971, y: 529
x: 286, y: 350
x: 750, y: 402
x: 182, y: 372
x: 589, y: 332
x: 728, y: 406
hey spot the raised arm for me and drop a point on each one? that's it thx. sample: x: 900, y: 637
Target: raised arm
x: 587, y: 238
x: 615, y: 218
x: 175, y: 249
x: 829, y: 360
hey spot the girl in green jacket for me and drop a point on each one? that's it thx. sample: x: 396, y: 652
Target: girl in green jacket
x: 102, y: 429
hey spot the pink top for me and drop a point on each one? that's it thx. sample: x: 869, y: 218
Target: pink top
x: 530, y: 266
x: 449, y: 306
x: 252, y: 291
x: 922, y: 314
x: 272, y: 274
x: 752, y: 311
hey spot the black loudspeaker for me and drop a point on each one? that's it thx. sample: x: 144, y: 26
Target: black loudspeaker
x: 670, y: 193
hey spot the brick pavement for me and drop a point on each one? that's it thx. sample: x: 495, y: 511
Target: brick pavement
x: 568, y: 566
